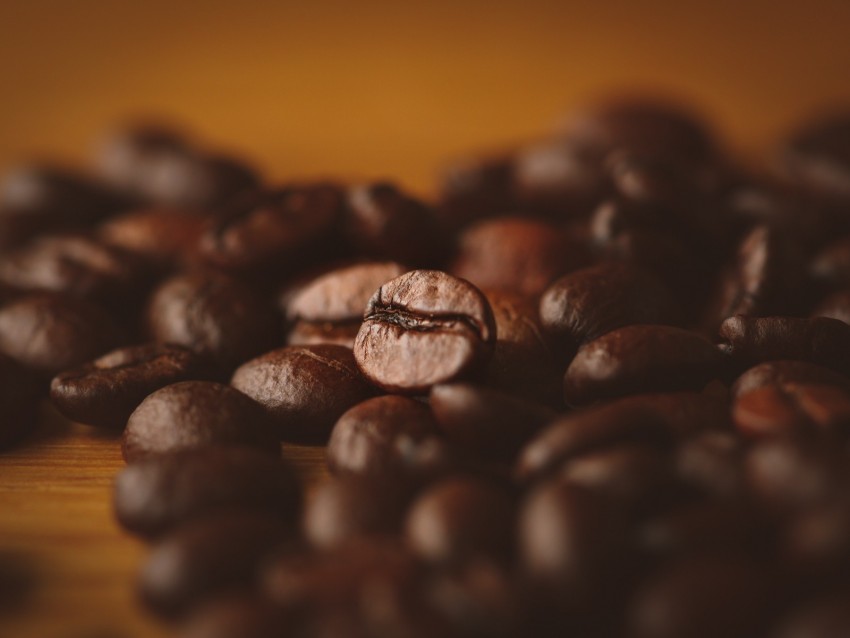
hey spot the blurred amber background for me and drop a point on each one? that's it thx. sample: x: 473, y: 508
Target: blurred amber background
x: 391, y: 88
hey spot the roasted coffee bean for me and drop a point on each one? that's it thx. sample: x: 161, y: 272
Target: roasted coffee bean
x: 704, y: 597
x: 831, y: 266
x: 330, y: 308
x: 216, y: 316
x: 751, y: 340
x: 162, y: 238
x: 826, y: 617
x: 342, y: 509
x: 474, y: 187
x: 656, y: 418
x: 713, y: 462
x: 835, y: 306
x: 792, y: 409
x: 818, y: 155
x: 484, y: 422
x: 517, y: 255
x: 777, y: 373
x: 273, y: 229
x: 586, y: 304
x: 390, y: 436
x: 52, y: 333
x: 460, y: 518
x: 304, y: 389
x: 383, y: 222
x: 238, y: 616
x: 641, y: 358
x: 207, y: 558
x: 424, y: 328
x: 155, y: 495
x: 194, y: 414
x: 19, y: 394
x: 105, y: 391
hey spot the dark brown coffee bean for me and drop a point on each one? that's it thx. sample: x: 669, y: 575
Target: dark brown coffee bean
x: 215, y: 316
x: 474, y: 187
x: 586, y: 304
x: 713, y: 462
x: 383, y: 222
x: 155, y: 495
x: 776, y: 373
x: 751, y: 340
x: 304, y: 389
x: 484, y: 422
x: 461, y: 518
x: 424, y: 328
x: 641, y: 358
x: 654, y: 418
x: 517, y: 255
x: 835, y: 306
x: 704, y: 597
x: 105, y: 391
x: 330, y: 308
x: 274, y: 229
x: 194, y: 414
x: 237, y: 616
x: 388, y: 436
x: 831, y: 266
x: 818, y: 155
x: 342, y: 509
x: 51, y: 333
x: 792, y: 409
x: 207, y: 558
x: 19, y: 394
x: 161, y: 238
x: 826, y: 617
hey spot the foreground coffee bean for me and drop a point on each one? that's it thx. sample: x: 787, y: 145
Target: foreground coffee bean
x: 638, y: 359
x: 304, y: 389
x: 793, y: 409
x: 194, y: 414
x: 155, y: 495
x: 209, y: 557
x: 52, y: 333
x: 775, y: 373
x: 106, y: 391
x: 424, y: 328
x: 19, y: 395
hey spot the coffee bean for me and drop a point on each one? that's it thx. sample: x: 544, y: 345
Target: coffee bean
x: 586, y: 304
x: 460, y: 518
x: 831, y: 266
x: 194, y: 414
x: 814, y: 546
x: 215, y: 316
x: 792, y: 408
x: 105, y: 391
x: 712, y: 461
x: 484, y: 422
x: 474, y: 187
x: 817, y: 155
x: 304, y: 389
x: 825, y: 617
x: 424, y: 328
x: 155, y: 495
x: 52, y: 333
x: 751, y: 340
x: 208, y: 558
x: 237, y: 616
x: 19, y: 394
x: 641, y: 358
x: 389, y: 437
x: 835, y: 306
x: 777, y: 373
x: 330, y: 308
x: 516, y: 255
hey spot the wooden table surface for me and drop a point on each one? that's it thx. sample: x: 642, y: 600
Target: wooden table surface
x: 66, y: 569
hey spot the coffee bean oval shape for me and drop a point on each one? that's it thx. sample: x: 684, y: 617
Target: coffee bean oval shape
x: 641, y: 358
x: 51, y: 333
x: 461, y: 518
x: 155, y: 495
x: 774, y: 373
x: 423, y: 328
x: 792, y: 409
x: 105, y: 391
x: 161, y: 238
x: 213, y: 315
x: 304, y: 389
x: 194, y: 414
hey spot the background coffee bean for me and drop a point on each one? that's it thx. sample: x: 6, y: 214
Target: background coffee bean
x: 831, y: 266
x: 237, y: 616
x: 194, y: 414
x: 835, y: 306
x: 791, y: 408
x: 775, y: 373
x: 817, y: 156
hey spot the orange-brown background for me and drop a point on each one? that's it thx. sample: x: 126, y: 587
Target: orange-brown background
x: 388, y: 87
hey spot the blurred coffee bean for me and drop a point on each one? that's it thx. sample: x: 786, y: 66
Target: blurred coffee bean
x: 815, y: 545
x: 835, y: 306
x: 640, y: 358
x: 155, y: 495
x: 195, y: 414
x: 777, y: 373
x: 825, y: 617
x: 215, y: 316
x: 831, y: 266
x: 237, y: 616
x: 330, y: 308
x: 461, y: 518
x: 817, y: 155
x: 52, y: 333
x: 304, y: 389
x: 473, y: 188
x: 105, y: 391
x: 383, y: 222
x: 207, y: 558
x: 423, y: 328
x: 792, y: 409
x: 586, y: 304
x: 713, y: 462
x: 823, y: 341
x: 516, y: 255
x: 19, y: 395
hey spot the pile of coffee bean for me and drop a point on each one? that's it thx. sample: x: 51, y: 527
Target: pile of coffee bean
x: 598, y: 387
